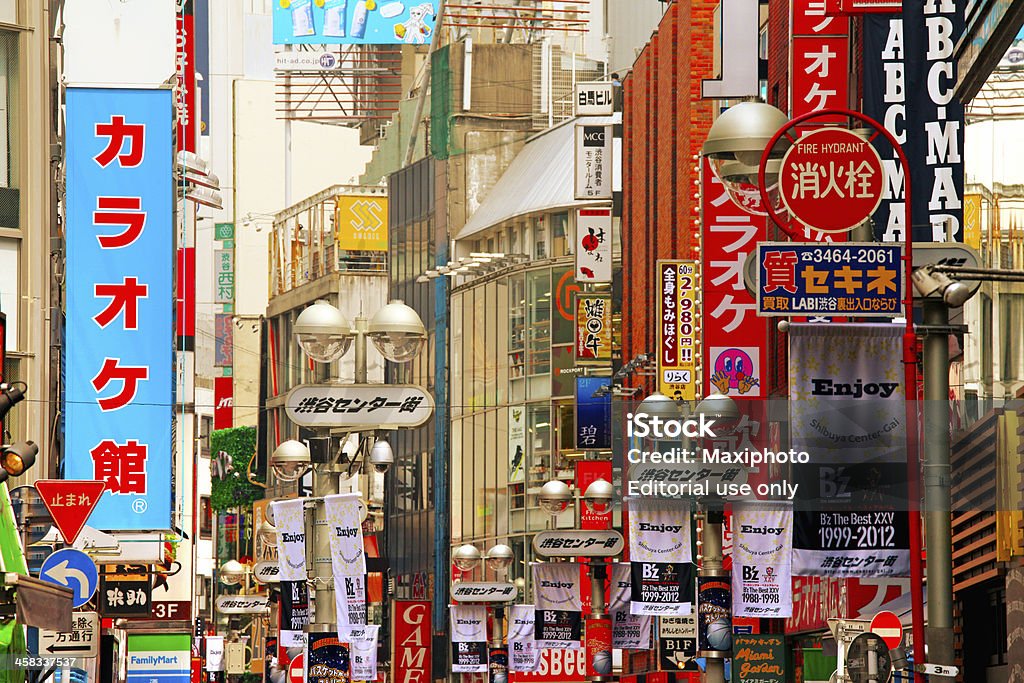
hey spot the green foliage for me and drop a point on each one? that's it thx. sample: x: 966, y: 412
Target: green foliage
x: 230, y: 486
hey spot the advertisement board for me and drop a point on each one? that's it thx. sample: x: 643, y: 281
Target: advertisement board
x: 159, y: 657
x: 120, y: 246
x: 593, y: 160
x: 411, y: 641
x: 593, y: 413
x: 353, y: 22
x: 361, y: 222
x: 593, y: 329
x: 678, y: 341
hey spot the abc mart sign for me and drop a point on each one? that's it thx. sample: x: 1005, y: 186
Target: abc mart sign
x: 312, y: 60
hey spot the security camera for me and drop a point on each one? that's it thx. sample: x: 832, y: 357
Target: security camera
x: 381, y: 456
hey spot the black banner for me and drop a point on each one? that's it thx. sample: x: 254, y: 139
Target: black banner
x: 558, y: 625
x: 661, y: 582
x: 469, y: 657
x: 294, y: 605
x: 935, y: 116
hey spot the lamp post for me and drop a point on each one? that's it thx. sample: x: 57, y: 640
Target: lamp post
x: 499, y: 559
x: 555, y: 498
x: 325, y: 335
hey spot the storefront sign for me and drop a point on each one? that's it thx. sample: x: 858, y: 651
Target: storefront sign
x: 593, y: 329
x: 243, y: 604
x: 594, y: 99
x: 361, y: 222
x: 224, y: 402
x: 587, y: 472
x: 165, y: 658
x: 267, y: 571
x: 848, y: 279
x: 224, y: 275
x: 573, y: 543
x: 594, y: 245
x: 375, y: 406
x: 678, y: 342
x: 759, y: 658
x: 593, y: 413
x: 714, y: 615
x: 556, y: 666
x: 224, y: 343
x: 185, y: 90
x: 120, y: 304
x: 411, y: 641
x: 128, y: 593
x: 327, y: 659
x: 593, y: 160
x: 171, y: 610
x: 677, y: 643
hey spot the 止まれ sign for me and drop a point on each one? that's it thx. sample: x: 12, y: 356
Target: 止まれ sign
x: 376, y: 406
x: 848, y: 279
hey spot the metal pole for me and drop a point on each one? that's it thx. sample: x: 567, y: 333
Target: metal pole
x: 435, y: 42
x: 938, y: 513
x: 497, y: 625
x: 598, y: 574
x: 288, y: 139
x: 711, y: 540
x: 361, y: 325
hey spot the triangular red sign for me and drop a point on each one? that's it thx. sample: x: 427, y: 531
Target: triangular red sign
x: 70, y: 503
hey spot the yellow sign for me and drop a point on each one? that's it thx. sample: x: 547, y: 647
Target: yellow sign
x: 361, y: 223
x: 972, y: 220
x: 679, y: 311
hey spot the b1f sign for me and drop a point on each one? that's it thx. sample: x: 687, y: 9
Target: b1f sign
x: 594, y: 99
x: 593, y: 161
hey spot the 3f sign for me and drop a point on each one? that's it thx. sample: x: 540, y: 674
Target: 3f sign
x: 739, y: 21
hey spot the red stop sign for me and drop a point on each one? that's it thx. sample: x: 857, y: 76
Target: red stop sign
x: 295, y: 669
x: 831, y: 180
x: 888, y: 627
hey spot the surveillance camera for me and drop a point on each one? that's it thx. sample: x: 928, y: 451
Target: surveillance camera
x: 381, y: 456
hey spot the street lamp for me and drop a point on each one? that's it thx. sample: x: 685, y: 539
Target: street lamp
x: 232, y: 573
x: 466, y: 558
x: 323, y: 332
x: 500, y: 558
x: 599, y: 497
x: 397, y: 332
x: 554, y: 497
x: 290, y: 460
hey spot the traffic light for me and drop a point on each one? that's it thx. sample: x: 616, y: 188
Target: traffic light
x: 10, y: 394
x: 16, y: 458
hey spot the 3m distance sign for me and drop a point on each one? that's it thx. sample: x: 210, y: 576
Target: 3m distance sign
x: 831, y: 180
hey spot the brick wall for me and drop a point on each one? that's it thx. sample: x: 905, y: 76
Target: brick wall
x: 665, y: 124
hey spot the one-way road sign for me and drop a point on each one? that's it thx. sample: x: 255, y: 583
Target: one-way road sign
x: 82, y: 641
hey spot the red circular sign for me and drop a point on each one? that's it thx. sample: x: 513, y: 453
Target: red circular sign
x: 831, y: 179
x: 888, y: 627
x: 295, y: 674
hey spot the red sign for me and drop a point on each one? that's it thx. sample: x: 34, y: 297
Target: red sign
x: 295, y: 669
x: 889, y: 628
x: 171, y: 610
x: 556, y: 666
x: 598, y: 642
x: 411, y: 641
x: 831, y: 179
x: 185, y: 89
x: 819, y: 54
x: 185, y: 304
x: 224, y: 402
x: 735, y: 338
x: 812, y: 18
x: 819, y: 598
x: 70, y: 503
x: 587, y: 472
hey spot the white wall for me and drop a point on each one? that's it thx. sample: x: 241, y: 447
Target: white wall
x: 322, y: 156
x: 122, y: 42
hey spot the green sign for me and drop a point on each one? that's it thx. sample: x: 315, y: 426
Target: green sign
x: 759, y: 658
x: 223, y: 231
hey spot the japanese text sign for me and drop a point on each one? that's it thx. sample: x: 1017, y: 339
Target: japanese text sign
x: 593, y: 413
x: 679, y: 311
x: 224, y: 274
x: 595, y: 99
x: 593, y: 161
x: 820, y: 58
x: 594, y: 245
x: 120, y: 246
x: 126, y: 595
x: 831, y: 179
x: 374, y: 406
x: 812, y: 18
x: 849, y: 279
x: 735, y: 338
x: 593, y: 329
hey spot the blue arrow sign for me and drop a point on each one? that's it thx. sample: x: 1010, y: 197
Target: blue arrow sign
x: 72, y: 569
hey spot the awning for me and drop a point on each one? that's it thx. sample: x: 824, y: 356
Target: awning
x: 540, y: 178
x: 40, y: 603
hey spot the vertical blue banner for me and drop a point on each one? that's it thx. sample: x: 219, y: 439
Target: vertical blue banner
x: 593, y: 414
x: 120, y: 258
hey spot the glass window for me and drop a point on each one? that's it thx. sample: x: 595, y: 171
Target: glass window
x: 539, y: 328
x: 480, y: 464
x: 458, y: 369
x: 563, y: 318
x: 540, y: 239
x: 538, y: 441
x: 8, y: 108
x: 502, y: 449
x: 560, y: 245
x: 490, y: 326
x: 457, y: 488
x: 478, y: 347
x: 517, y: 327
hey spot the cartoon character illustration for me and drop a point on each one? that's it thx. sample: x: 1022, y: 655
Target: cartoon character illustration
x: 733, y: 370
x: 415, y: 29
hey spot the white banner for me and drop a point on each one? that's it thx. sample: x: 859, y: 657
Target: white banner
x: 762, y: 560
x: 214, y: 653
x: 848, y: 411
x: 523, y: 652
x: 350, y: 600
x: 557, y: 605
x: 661, y: 558
x: 594, y: 244
x: 346, y: 534
x: 629, y: 631
x: 291, y: 538
x: 362, y: 647
x: 469, y: 638
x: 594, y: 170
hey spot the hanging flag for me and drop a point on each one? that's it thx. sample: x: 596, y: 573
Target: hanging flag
x: 762, y: 558
x: 523, y: 652
x: 847, y: 411
x: 294, y: 612
x: 557, y: 604
x: 629, y: 631
x: 469, y: 638
x: 661, y: 558
x: 362, y: 648
x: 346, y: 534
x: 350, y: 599
x: 291, y: 538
